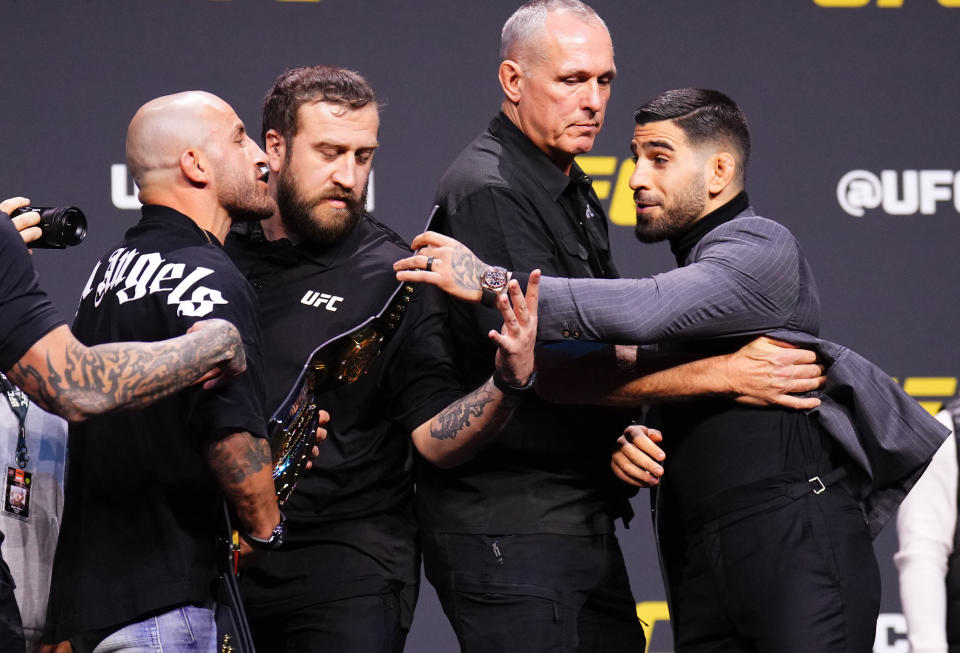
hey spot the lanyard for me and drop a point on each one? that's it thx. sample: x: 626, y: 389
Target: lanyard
x: 19, y: 402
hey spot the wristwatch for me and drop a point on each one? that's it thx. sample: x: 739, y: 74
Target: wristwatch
x: 493, y: 281
x: 273, y: 542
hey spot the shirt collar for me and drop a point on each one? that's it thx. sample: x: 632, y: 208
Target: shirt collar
x: 284, y: 251
x: 537, y: 163
x: 682, y: 245
x: 173, y: 219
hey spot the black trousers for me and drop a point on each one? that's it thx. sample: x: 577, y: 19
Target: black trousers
x: 362, y: 624
x: 534, y: 593
x: 790, y: 575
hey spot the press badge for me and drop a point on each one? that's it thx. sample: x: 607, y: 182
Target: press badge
x: 16, y: 496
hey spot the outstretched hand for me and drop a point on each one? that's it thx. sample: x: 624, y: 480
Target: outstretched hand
x: 518, y: 336
x: 771, y: 372
x: 445, y: 263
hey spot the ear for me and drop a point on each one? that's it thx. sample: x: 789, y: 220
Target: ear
x: 194, y: 167
x: 276, y: 149
x: 721, y: 172
x: 510, y: 75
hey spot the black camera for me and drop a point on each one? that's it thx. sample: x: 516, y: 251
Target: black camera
x: 62, y: 226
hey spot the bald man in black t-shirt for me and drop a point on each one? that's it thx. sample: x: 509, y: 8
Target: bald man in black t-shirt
x: 36, y: 349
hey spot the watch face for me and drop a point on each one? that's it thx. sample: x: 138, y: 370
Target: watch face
x: 495, y: 278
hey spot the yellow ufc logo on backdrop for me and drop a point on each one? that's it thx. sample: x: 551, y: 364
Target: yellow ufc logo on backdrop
x: 611, y: 176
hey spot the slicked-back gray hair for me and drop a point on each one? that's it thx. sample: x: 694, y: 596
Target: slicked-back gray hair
x: 529, y: 20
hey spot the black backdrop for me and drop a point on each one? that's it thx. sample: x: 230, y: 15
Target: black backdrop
x: 853, y: 107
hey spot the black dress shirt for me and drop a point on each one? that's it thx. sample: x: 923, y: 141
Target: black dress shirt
x: 549, y: 470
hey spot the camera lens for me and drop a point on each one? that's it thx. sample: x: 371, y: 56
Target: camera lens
x: 61, y: 226
x: 64, y: 225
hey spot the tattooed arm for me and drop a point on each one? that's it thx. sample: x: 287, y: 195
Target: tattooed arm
x: 74, y: 381
x: 455, y: 434
x: 241, y: 464
x: 454, y: 269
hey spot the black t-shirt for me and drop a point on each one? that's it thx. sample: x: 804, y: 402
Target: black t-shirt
x: 142, y: 509
x: 549, y: 470
x: 26, y: 314
x: 360, y: 488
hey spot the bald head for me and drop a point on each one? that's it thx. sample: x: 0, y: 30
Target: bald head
x: 191, y: 152
x: 163, y: 128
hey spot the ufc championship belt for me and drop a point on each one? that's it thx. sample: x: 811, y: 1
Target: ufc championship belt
x: 339, y: 361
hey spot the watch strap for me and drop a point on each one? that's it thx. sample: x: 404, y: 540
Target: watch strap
x: 271, y: 543
x: 513, y: 390
x: 488, y: 297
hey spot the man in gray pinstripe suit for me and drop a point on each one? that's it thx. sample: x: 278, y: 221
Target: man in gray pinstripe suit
x: 765, y: 516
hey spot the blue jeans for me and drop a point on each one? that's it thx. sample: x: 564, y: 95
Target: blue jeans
x: 187, y: 628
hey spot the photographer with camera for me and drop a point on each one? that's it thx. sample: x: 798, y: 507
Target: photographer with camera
x: 40, y: 355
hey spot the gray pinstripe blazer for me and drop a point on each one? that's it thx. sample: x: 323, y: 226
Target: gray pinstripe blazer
x: 749, y: 276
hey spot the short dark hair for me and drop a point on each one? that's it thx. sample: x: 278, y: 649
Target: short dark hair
x: 298, y: 86
x: 704, y: 115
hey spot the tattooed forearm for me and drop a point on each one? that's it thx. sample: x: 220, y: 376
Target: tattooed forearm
x: 241, y: 465
x: 466, y: 268
x: 75, y: 381
x: 456, y: 417
x: 237, y: 457
x: 457, y: 432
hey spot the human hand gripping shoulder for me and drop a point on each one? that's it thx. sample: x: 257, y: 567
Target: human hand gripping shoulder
x: 445, y: 263
x: 222, y: 336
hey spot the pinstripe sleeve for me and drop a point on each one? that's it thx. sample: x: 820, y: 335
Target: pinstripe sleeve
x: 744, y: 278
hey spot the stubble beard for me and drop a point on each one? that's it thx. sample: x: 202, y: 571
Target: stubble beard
x: 245, y: 203
x: 676, y: 218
